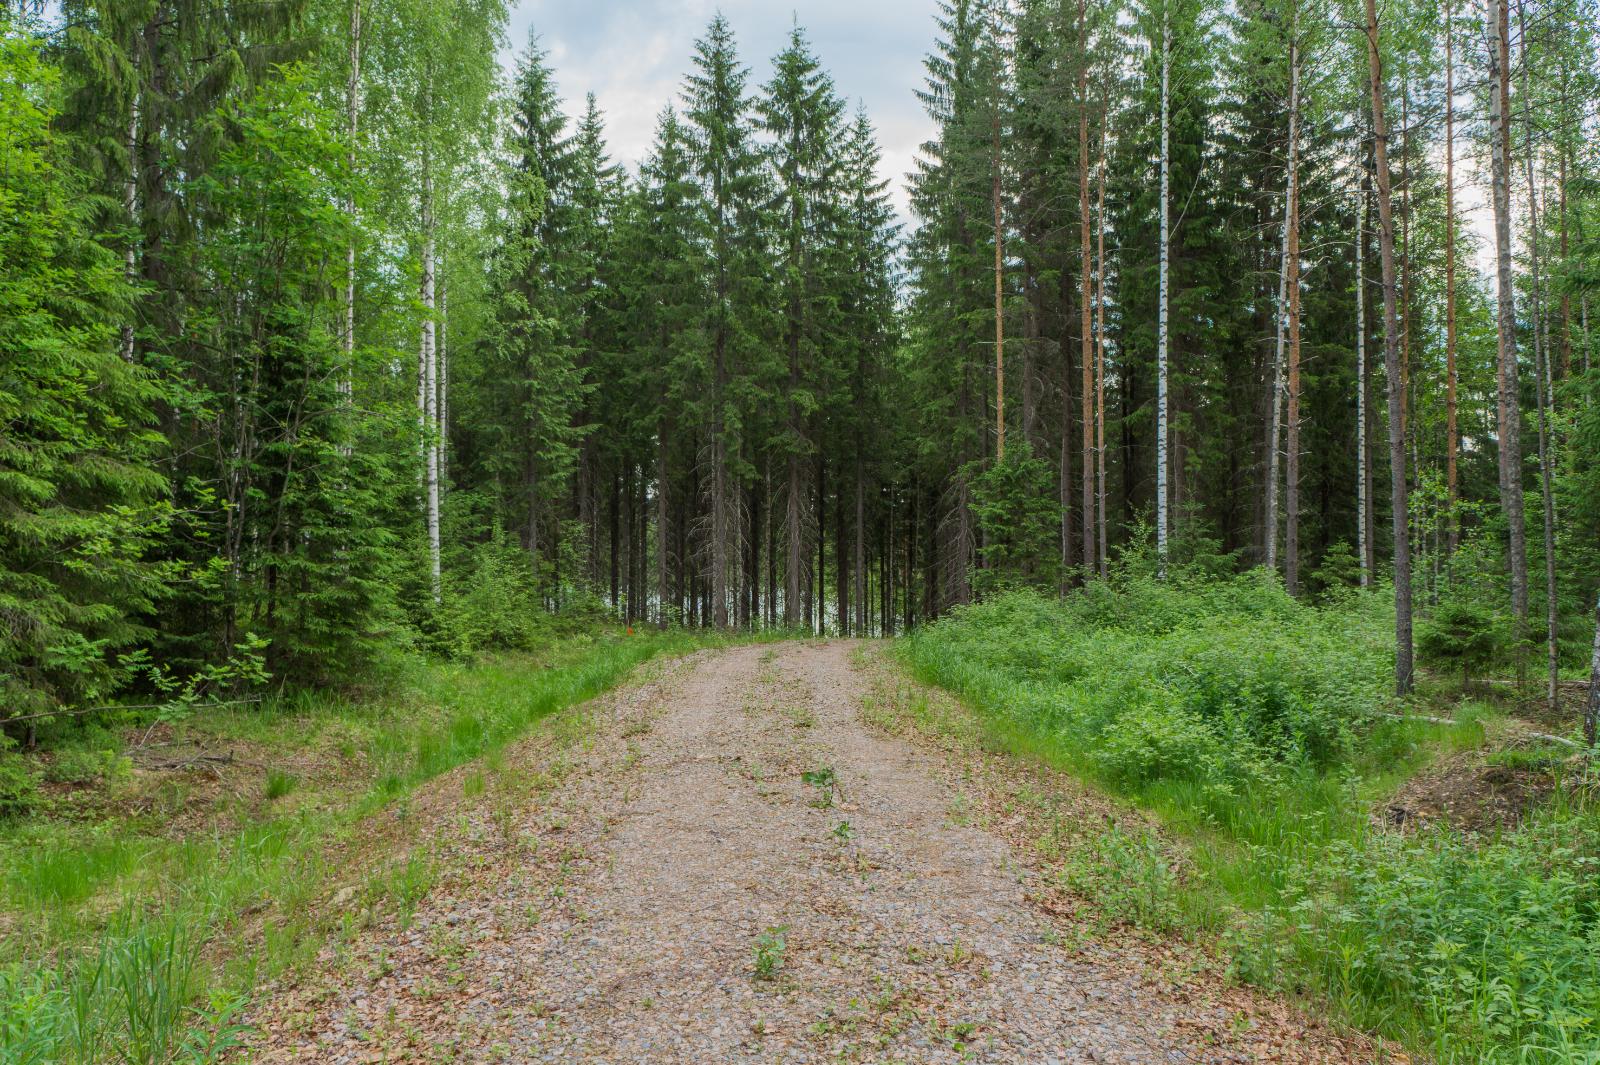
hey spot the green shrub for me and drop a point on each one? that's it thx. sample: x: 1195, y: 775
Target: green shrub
x: 19, y: 783
x: 1460, y: 635
x: 1216, y: 683
x: 83, y: 765
x: 1246, y: 720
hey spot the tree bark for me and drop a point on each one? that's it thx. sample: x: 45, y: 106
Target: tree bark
x: 1166, y: 269
x: 1086, y: 320
x: 1403, y: 665
x: 130, y: 203
x: 1363, y: 459
x: 352, y: 121
x: 1452, y: 435
x: 1507, y: 399
x: 1291, y: 532
x: 1591, y: 711
x: 999, y: 307
x: 1544, y: 388
x: 429, y: 412
x: 663, y: 511
x: 1100, y: 366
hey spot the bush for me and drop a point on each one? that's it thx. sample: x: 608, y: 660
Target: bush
x: 1460, y: 635
x: 19, y: 783
x: 1215, y: 683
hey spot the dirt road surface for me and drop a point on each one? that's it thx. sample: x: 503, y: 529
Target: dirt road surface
x: 735, y: 866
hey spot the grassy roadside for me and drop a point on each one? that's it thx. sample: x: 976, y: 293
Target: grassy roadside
x: 137, y: 914
x: 1245, y: 728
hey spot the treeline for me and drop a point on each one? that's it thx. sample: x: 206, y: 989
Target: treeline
x: 1216, y: 261
x: 320, y: 335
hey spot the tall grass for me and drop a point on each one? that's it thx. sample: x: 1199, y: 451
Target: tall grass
x: 105, y: 926
x: 1250, y: 725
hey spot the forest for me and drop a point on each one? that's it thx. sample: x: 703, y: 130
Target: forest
x: 1221, y: 426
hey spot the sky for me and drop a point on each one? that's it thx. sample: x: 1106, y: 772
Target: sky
x: 633, y: 55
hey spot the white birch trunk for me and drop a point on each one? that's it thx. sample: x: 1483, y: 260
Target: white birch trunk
x: 1275, y: 421
x: 442, y: 437
x: 1161, y: 332
x: 429, y: 395
x: 130, y: 205
x: 353, y: 113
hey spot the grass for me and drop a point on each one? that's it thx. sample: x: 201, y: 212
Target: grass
x: 1250, y: 728
x: 127, y: 940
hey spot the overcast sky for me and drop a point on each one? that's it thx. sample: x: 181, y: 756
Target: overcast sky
x: 633, y: 55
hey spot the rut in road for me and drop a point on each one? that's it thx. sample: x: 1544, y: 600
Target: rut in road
x: 740, y: 817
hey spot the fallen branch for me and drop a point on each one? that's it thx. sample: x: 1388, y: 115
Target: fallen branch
x: 80, y: 710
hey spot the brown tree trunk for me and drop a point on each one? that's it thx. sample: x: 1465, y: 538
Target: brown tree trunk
x: 1403, y: 666
x: 1100, y: 367
x: 1452, y: 435
x: 1544, y: 388
x: 663, y: 511
x: 1591, y: 711
x: 1508, y: 412
x: 999, y: 310
x: 1086, y: 271
x: 1291, y: 538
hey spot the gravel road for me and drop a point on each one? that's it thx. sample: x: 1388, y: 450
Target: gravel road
x: 737, y: 867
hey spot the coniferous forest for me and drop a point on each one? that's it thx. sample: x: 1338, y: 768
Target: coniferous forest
x: 339, y: 360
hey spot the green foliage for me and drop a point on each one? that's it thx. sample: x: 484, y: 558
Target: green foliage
x: 1245, y: 721
x: 495, y: 603
x: 19, y: 781
x: 80, y: 498
x: 1021, y: 521
x: 1461, y: 635
x: 771, y: 947
x: 1223, y: 684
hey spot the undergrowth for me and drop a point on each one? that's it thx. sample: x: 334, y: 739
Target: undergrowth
x: 1255, y: 728
x: 126, y: 942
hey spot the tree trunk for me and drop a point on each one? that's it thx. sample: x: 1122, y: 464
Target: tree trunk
x: 1100, y: 367
x: 1291, y: 532
x: 130, y: 203
x: 1452, y: 442
x: 1507, y: 398
x: 1543, y: 388
x: 861, y: 546
x: 999, y: 309
x: 663, y: 510
x: 1363, y: 459
x: 352, y: 118
x: 429, y: 385
x: 1166, y: 269
x: 1086, y: 321
x: 1591, y: 710
x: 1275, y: 418
x: 1403, y: 667
x: 719, y: 484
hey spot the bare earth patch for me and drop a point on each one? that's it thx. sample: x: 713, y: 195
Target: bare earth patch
x: 1484, y: 790
x: 739, y: 866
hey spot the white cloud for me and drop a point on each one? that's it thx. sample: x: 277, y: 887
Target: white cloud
x: 633, y: 55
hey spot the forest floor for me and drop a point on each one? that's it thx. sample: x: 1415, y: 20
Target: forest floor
x: 765, y: 854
